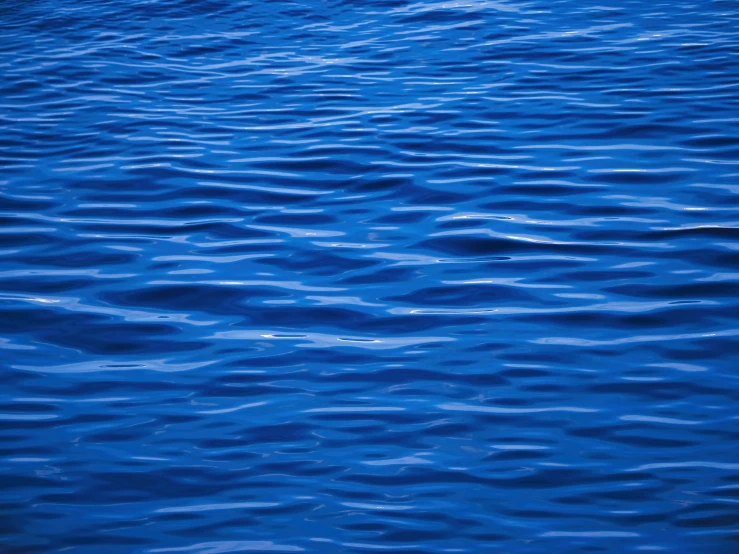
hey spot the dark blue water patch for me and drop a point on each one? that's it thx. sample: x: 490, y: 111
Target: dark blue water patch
x: 327, y: 276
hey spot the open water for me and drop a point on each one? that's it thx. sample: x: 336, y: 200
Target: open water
x: 384, y: 276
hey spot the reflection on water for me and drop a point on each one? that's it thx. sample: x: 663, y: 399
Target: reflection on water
x: 328, y: 276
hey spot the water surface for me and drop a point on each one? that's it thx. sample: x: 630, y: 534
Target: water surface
x: 378, y: 276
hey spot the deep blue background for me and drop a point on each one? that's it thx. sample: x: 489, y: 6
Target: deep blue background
x: 378, y: 276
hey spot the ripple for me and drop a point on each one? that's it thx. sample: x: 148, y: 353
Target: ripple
x: 439, y: 276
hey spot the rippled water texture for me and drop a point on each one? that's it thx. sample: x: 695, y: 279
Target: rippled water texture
x: 377, y: 276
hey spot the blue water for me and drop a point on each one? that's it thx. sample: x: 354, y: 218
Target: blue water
x: 379, y: 276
